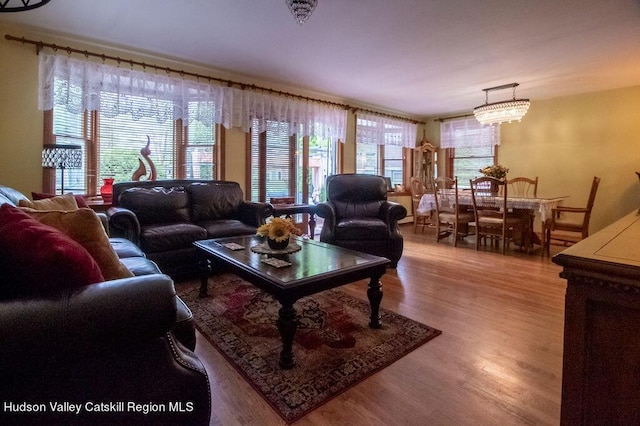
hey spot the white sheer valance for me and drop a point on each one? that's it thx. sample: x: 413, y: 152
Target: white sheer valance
x: 83, y: 85
x: 468, y: 133
x: 381, y: 130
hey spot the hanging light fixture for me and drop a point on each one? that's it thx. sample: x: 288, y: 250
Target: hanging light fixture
x: 20, y: 5
x: 301, y: 9
x: 500, y: 112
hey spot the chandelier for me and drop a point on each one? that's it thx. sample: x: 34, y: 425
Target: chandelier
x: 20, y: 5
x: 499, y: 112
x: 302, y: 9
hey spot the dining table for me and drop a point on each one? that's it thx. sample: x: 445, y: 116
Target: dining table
x: 542, y: 205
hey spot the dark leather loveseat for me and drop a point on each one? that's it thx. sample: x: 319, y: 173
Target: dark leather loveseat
x: 127, y: 340
x: 165, y: 217
x: 358, y: 216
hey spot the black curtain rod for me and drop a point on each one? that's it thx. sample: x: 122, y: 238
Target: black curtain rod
x: 40, y: 45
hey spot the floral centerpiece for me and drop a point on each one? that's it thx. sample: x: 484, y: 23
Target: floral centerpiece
x: 278, y: 231
x: 497, y: 171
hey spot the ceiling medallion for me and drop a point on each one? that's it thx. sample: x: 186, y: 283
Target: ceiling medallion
x: 500, y: 112
x: 301, y: 9
x: 20, y: 5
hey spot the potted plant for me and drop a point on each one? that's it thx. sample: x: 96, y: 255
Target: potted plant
x: 497, y: 171
x: 278, y: 231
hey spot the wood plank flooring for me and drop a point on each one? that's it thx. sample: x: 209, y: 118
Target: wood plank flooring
x: 498, y: 361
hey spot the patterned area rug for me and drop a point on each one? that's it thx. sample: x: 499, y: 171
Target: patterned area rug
x: 334, y: 346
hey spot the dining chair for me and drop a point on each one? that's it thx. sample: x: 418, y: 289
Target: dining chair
x: 492, y: 218
x: 568, y: 225
x: 418, y: 189
x: 522, y: 186
x: 525, y: 187
x: 451, y: 217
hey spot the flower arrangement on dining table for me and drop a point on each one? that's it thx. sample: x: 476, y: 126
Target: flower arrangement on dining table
x: 278, y: 231
x: 497, y: 171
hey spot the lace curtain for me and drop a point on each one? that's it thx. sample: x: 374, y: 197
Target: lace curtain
x: 83, y: 85
x: 379, y: 130
x: 468, y: 133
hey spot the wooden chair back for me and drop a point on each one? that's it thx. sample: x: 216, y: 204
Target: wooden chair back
x: 522, y: 186
x: 450, y: 217
x: 418, y: 189
x: 493, y: 221
x: 568, y: 225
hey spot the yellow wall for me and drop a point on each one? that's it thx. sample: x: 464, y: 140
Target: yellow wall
x: 20, y: 120
x: 567, y: 141
x: 564, y: 141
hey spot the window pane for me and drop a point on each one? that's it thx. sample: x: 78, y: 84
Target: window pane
x: 200, y: 151
x: 122, y: 137
x: 367, y: 159
x: 393, y: 164
x: 279, y: 158
x: 322, y: 163
x: 68, y: 129
x: 467, y: 163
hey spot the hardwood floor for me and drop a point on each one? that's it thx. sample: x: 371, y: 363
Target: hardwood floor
x: 498, y: 361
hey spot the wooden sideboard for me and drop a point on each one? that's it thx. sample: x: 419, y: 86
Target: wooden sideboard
x: 601, y: 362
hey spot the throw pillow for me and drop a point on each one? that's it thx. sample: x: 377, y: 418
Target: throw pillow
x: 80, y: 200
x: 59, y: 202
x: 84, y: 227
x: 37, y: 259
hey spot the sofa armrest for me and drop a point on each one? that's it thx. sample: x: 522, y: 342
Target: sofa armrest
x: 43, y: 332
x: 254, y: 213
x: 124, y: 223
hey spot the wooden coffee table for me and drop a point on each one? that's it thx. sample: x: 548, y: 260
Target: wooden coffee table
x: 316, y: 267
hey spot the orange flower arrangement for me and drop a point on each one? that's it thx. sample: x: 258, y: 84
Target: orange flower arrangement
x: 278, y: 229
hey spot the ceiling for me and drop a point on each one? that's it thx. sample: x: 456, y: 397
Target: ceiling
x: 422, y: 58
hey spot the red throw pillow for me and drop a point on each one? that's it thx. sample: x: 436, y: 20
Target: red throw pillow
x: 41, y: 196
x: 37, y: 259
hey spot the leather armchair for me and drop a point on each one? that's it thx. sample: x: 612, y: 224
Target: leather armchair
x: 358, y: 216
x: 105, y: 342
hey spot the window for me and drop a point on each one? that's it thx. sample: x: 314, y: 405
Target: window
x: 114, y: 149
x: 470, y: 146
x: 393, y: 162
x: 384, y: 160
x: 467, y: 162
x: 121, y: 137
x: 125, y: 105
x: 200, y: 151
x: 290, y: 166
x: 71, y: 129
x: 272, y: 160
x: 380, y: 144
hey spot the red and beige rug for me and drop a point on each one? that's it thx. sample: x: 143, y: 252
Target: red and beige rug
x: 334, y: 346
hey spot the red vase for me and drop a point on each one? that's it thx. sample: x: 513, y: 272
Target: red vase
x: 106, y: 190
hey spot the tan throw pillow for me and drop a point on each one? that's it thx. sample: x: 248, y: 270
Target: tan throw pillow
x: 64, y: 202
x: 84, y: 227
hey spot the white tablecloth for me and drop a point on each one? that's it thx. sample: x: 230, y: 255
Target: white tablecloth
x: 541, y: 204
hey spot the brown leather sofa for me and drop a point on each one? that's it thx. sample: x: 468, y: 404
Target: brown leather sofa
x: 128, y: 340
x: 165, y: 217
x: 358, y: 216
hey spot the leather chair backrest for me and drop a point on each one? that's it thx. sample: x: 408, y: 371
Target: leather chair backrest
x: 157, y: 205
x: 356, y: 195
x: 214, y: 200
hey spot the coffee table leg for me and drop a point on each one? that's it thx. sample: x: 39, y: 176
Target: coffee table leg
x: 287, y: 326
x: 374, y: 293
x: 203, y: 286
